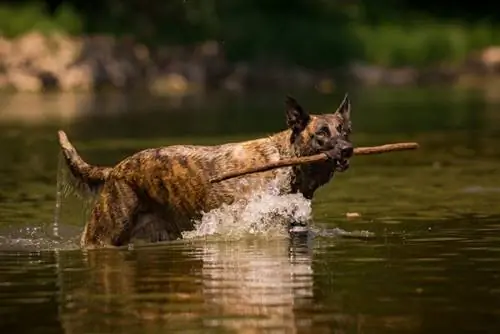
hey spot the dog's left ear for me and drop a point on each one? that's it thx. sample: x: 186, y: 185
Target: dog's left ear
x: 345, y: 108
x: 296, y: 117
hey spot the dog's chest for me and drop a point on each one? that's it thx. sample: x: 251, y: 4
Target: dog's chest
x: 311, y: 177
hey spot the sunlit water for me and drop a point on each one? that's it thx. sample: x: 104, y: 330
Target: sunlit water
x: 432, y: 266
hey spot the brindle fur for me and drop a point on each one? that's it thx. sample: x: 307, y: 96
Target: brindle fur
x: 158, y: 192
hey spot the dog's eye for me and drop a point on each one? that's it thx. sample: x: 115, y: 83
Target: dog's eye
x: 340, y: 128
x: 324, y: 131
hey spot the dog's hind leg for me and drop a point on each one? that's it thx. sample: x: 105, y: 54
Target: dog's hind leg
x: 113, y: 216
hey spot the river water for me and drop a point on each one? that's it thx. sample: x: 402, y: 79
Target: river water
x: 432, y: 267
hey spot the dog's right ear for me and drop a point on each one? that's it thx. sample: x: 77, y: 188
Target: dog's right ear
x: 296, y: 117
x: 344, y: 108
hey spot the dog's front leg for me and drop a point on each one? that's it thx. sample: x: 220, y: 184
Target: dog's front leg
x: 113, y: 216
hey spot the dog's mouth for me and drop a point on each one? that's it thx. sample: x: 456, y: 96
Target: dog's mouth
x: 341, y: 165
x: 340, y: 159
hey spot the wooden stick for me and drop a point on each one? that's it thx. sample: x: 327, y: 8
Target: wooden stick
x: 314, y: 158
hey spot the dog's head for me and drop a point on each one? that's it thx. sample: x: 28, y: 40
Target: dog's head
x: 325, y: 133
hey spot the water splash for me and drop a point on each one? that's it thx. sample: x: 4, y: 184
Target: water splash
x: 59, y: 194
x: 36, y: 238
x: 265, y: 213
x: 49, y: 235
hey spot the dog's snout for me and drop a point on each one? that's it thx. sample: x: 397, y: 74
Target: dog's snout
x: 345, y: 149
x: 347, y: 152
x: 341, y: 149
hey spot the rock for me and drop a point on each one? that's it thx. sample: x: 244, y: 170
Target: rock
x: 326, y: 86
x: 5, y: 47
x: 24, y: 81
x: 377, y: 75
x: 440, y: 74
x: 352, y: 215
x: 401, y: 76
x: 120, y: 72
x: 49, y: 64
x: 490, y: 58
x: 34, y: 61
x: 236, y: 80
x: 367, y: 74
x: 170, y: 84
x: 210, y: 48
x: 48, y: 80
x: 4, y: 81
x: 79, y: 77
x: 142, y: 53
x: 196, y: 74
x: 31, y: 46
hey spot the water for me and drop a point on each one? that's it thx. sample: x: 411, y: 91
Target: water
x: 433, y: 266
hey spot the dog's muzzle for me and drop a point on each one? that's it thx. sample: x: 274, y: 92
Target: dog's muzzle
x: 340, y: 154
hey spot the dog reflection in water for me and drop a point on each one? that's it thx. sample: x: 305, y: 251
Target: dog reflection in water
x: 241, y: 285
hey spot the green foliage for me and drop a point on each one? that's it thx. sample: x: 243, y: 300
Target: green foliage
x: 422, y: 43
x: 19, y: 19
x: 313, y: 33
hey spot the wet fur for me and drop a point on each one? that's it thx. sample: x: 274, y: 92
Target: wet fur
x: 158, y: 192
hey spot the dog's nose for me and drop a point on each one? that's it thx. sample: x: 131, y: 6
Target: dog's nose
x: 346, y: 152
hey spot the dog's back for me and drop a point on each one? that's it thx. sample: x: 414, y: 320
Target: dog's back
x: 179, y: 176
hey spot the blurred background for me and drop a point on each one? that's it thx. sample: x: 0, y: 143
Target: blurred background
x: 180, y: 46
x: 123, y: 75
x: 120, y: 76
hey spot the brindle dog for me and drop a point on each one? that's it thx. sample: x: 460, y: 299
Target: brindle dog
x: 158, y: 192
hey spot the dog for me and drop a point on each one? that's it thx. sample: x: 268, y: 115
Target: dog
x: 157, y: 193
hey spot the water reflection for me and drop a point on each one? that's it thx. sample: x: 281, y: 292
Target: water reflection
x: 256, y: 285
x: 245, y: 285
x: 441, y: 276
x: 39, y: 109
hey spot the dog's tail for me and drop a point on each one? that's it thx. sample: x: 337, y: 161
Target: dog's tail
x: 87, y: 177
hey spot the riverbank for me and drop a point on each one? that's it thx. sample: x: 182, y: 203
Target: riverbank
x: 35, y: 62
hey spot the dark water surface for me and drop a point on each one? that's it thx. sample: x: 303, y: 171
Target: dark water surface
x: 433, y: 267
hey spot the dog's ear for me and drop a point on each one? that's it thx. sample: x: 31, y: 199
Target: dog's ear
x: 296, y: 117
x: 344, y: 108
